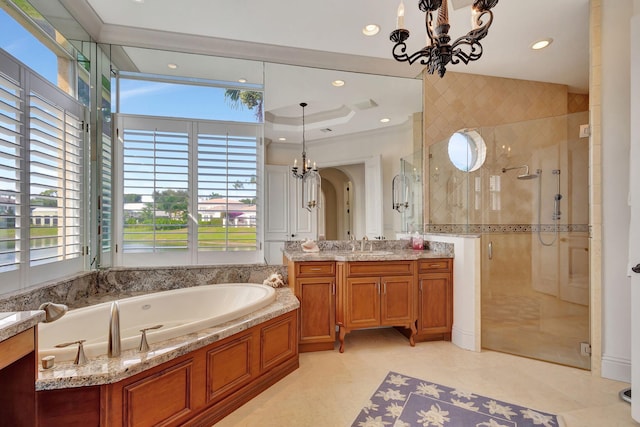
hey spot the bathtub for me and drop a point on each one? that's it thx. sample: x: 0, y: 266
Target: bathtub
x: 179, y: 311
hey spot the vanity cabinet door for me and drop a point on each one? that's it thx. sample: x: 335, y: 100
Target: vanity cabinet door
x: 435, y: 299
x: 318, y: 309
x: 362, y: 302
x: 435, y: 316
x: 397, y: 300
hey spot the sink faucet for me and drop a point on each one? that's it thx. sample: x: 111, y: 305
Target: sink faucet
x: 362, y: 242
x: 114, y: 331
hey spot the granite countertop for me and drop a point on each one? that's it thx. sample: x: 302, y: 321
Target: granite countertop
x: 14, y: 322
x: 104, y: 370
x: 366, y: 255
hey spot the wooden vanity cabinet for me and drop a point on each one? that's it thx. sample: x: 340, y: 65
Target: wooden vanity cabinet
x: 17, y: 379
x: 435, y: 299
x: 377, y: 294
x: 314, y: 284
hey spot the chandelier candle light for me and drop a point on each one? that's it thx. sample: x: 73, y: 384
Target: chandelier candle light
x: 440, y: 52
x: 309, y: 175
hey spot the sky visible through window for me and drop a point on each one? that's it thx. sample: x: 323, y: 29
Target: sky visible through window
x: 16, y: 40
x: 136, y: 96
x: 179, y: 100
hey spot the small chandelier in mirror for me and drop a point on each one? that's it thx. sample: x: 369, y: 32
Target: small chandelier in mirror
x: 311, y: 180
x: 440, y: 52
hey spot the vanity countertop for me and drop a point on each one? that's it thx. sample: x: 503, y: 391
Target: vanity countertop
x: 366, y: 255
x: 104, y: 370
x: 14, y: 322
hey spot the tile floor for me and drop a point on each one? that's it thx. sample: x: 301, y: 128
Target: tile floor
x: 329, y: 388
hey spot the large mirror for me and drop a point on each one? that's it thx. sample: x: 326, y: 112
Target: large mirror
x: 358, y: 126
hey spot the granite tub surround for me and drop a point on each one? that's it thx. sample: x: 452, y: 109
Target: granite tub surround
x: 65, y: 291
x: 374, y: 250
x: 104, y: 370
x: 115, y: 283
x: 13, y: 323
x: 134, y: 281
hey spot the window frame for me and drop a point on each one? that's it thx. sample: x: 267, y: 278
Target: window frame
x: 26, y: 275
x: 190, y: 256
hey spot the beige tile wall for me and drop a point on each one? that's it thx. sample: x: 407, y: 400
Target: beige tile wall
x: 469, y: 101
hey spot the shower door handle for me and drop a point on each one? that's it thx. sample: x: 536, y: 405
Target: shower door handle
x: 490, y: 250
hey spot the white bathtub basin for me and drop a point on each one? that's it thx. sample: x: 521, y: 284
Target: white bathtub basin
x: 180, y: 311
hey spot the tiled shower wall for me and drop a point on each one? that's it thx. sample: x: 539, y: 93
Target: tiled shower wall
x: 522, y: 123
x: 486, y: 199
x: 462, y: 101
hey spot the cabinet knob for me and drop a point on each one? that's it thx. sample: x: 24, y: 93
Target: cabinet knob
x: 636, y: 269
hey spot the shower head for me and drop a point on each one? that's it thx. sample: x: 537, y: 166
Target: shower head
x: 528, y: 176
x: 525, y: 175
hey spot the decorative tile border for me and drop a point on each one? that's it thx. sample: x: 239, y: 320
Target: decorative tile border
x: 504, y: 228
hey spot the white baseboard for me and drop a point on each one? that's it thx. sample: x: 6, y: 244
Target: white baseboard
x: 615, y: 368
x: 464, y: 339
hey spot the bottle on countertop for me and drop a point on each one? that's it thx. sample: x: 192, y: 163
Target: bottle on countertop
x: 417, y: 242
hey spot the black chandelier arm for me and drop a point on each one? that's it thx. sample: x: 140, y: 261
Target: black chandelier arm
x: 482, y: 27
x: 428, y: 23
x: 465, y: 50
x: 400, y: 54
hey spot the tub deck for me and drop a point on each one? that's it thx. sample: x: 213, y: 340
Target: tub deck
x: 103, y: 370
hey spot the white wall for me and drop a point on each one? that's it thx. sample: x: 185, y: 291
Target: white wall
x: 391, y: 143
x: 616, y: 310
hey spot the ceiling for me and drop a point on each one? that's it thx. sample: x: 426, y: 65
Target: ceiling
x: 327, y: 35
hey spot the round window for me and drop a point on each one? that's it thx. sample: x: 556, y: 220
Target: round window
x: 467, y: 150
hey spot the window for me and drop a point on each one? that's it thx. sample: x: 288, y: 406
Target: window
x: 55, y: 168
x: 41, y: 168
x: 189, y: 191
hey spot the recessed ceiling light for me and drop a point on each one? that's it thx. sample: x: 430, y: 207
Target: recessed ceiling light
x: 370, y: 30
x: 338, y: 83
x: 138, y: 1
x: 242, y: 80
x: 541, y: 44
x: 282, y: 139
x: 385, y: 120
x: 172, y: 66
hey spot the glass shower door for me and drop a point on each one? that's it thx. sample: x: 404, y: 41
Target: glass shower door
x: 535, y: 260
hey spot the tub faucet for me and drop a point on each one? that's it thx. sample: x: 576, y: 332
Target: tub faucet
x: 362, y: 243
x: 53, y: 311
x: 114, y: 331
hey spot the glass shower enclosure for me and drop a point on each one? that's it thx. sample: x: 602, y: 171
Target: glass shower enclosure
x: 529, y: 203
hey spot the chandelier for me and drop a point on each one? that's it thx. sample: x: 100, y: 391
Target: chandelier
x: 309, y: 175
x: 440, y: 52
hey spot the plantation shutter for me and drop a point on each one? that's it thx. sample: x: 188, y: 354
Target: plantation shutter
x: 189, y: 191
x: 156, y: 178
x: 10, y: 181
x: 227, y: 163
x: 55, y: 159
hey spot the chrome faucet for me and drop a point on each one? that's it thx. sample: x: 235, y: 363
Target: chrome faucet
x: 362, y: 243
x: 113, y: 345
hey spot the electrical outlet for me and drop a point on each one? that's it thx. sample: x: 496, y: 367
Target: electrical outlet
x: 585, y: 349
x: 585, y: 131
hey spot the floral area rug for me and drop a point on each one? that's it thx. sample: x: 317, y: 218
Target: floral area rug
x: 403, y: 401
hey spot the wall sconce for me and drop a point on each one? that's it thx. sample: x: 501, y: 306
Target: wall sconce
x: 400, y: 190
